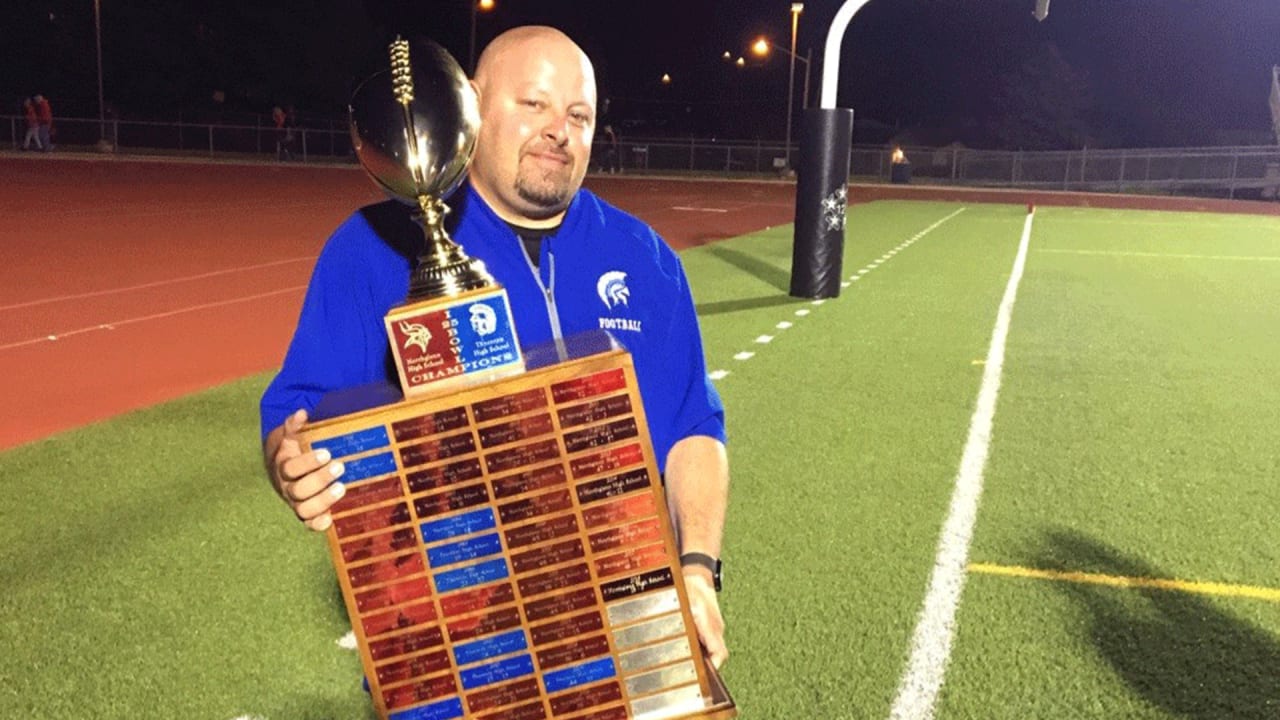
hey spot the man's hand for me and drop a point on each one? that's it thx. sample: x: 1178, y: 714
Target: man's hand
x: 304, y: 481
x: 706, y: 613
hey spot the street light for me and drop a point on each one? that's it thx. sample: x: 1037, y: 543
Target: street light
x: 761, y: 48
x: 485, y: 5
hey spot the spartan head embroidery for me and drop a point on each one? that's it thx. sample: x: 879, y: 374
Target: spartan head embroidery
x: 612, y: 289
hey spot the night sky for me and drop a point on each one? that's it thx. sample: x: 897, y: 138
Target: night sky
x: 1097, y: 72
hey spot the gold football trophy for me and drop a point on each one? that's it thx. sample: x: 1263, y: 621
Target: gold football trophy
x: 503, y: 547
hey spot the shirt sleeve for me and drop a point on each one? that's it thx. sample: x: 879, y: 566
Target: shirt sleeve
x: 695, y: 406
x: 339, y: 341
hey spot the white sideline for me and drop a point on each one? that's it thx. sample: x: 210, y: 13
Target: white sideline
x: 931, y: 643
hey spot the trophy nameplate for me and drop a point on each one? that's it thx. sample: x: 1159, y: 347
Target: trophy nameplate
x: 463, y: 339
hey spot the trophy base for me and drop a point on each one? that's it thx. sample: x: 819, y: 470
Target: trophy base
x: 445, y: 343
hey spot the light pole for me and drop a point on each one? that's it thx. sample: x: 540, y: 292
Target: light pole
x: 97, y: 33
x: 796, y: 9
x: 761, y: 48
x: 485, y: 5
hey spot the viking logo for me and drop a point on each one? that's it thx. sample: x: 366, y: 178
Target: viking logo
x: 416, y: 334
x: 612, y: 289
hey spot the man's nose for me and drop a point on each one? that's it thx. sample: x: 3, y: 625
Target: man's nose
x: 557, y: 129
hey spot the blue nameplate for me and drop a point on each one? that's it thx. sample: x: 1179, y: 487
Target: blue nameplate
x: 356, y: 442
x: 443, y: 710
x: 508, y: 669
x: 463, y: 524
x: 367, y: 467
x: 468, y: 549
x: 587, y: 672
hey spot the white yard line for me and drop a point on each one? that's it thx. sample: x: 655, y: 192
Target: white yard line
x: 686, y: 208
x: 931, y: 644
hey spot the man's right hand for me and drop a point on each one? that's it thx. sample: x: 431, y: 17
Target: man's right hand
x: 305, y: 481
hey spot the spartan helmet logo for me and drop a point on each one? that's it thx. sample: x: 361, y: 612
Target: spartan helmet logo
x: 612, y: 289
x: 417, y: 334
x: 483, y: 319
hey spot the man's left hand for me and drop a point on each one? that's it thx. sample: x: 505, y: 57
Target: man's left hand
x: 706, y: 613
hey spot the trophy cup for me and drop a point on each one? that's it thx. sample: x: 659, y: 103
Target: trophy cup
x: 503, y: 546
x: 413, y: 128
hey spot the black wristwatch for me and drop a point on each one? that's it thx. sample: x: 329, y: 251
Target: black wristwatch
x: 706, y: 561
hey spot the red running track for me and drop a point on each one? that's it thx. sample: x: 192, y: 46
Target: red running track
x: 126, y: 283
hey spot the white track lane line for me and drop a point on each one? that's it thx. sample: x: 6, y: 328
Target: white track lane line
x: 157, y: 283
x: 157, y: 316
x: 935, y: 629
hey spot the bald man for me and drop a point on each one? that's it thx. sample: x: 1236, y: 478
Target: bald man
x: 570, y: 263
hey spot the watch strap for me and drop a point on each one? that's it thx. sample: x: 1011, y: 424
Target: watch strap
x: 706, y: 561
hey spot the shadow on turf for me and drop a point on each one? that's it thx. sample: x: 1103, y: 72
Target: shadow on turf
x: 729, y: 306
x: 1175, y: 649
x: 755, y: 267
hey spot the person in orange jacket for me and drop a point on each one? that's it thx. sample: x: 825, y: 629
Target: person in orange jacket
x: 44, y: 116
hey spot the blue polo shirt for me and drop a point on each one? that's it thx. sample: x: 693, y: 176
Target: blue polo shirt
x: 602, y: 269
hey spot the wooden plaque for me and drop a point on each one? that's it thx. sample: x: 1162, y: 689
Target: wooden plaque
x: 505, y: 551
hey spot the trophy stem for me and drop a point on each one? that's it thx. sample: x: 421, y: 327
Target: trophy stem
x: 442, y: 269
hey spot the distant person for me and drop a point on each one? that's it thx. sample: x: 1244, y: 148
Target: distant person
x: 283, y: 138
x: 612, y: 159
x: 44, y: 119
x: 33, y: 125
x: 291, y: 131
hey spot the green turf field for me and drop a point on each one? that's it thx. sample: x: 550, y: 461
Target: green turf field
x: 148, y: 571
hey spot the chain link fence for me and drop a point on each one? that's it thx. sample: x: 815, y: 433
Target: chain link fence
x: 1233, y: 172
